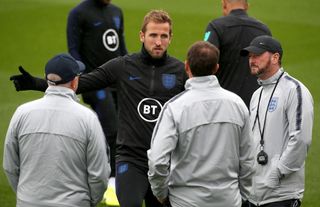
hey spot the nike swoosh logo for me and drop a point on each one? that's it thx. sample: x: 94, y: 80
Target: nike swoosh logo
x: 97, y: 24
x: 134, y: 78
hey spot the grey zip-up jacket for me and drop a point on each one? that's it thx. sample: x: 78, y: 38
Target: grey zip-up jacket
x: 287, y: 137
x: 55, y: 152
x: 201, y: 150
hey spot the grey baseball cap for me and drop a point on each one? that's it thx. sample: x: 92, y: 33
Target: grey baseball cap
x: 262, y: 44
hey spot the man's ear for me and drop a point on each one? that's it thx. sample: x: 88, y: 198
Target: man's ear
x: 275, y: 58
x: 74, y: 83
x: 170, y: 38
x: 246, y: 6
x: 187, y: 69
x: 216, y: 69
x: 224, y: 7
x: 141, y: 35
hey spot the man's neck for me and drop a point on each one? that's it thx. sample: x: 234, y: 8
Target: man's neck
x: 234, y: 6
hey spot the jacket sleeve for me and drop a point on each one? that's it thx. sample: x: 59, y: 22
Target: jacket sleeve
x: 123, y: 48
x: 299, y: 112
x: 101, y: 77
x: 74, y: 33
x: 164, y: 141
x: 211, y: 35
x: 98, y: 165
x: 11, y: 160
x: 246, y: 160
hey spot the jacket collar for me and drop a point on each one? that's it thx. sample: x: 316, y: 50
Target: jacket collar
x: 209, y: 81
x: 238, y: 12
x: 98, y: 3
x: 148, y: 60
x: 272, y: 80
x: 61, y: 91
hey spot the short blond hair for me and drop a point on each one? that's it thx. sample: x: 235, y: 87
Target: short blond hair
x: 157, y: 16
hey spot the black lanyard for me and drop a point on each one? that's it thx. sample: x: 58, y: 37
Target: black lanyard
x: 265, y: 117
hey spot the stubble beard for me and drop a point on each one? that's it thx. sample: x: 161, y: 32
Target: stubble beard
x: 261, y: 71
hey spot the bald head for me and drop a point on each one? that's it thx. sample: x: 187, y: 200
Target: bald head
x: 229, y: 5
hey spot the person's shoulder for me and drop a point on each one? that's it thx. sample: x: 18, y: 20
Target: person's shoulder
x: 219, y: 20
x: 86, y: 3
x: 257, y: 92
x: 84, y: 111
x: 230, y: 94
x: 175, y: 60
x: 225, y: 21
x: 79, y: 8
x: 132, y: 55
x: 114, y: 61
x: 234, y: 16
x: 293, y: 83
x: 83, y: 6
x: 120, y: 61
x: 233, y: 98
x: 178, y: 100
x: 115, y: 7
x: 292, y: 87
x: 237, y: 18
x: 26, y: 107
x: 131, y: 58
x: 257, y: 21
x: 175, y: 65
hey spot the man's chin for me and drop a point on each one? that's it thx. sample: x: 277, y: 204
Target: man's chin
x: 157, y: 55
x: 254, y: 71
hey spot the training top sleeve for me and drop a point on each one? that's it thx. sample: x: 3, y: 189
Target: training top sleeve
x: 102, y: 77
x: 11, y: 161
x: 98, y: 164
x: 74, y: 32
x: 246, y: 157
x: 123, y: 48
x: 163, y: 142
x: 299, y: 112
x: 211, y: 35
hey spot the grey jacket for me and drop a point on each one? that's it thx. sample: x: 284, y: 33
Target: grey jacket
x: 55, y: 152
x: 287, y: 136
x: 201, y: 148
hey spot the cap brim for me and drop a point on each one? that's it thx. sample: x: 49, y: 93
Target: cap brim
x: 252, y: 49
x: 82, y: 67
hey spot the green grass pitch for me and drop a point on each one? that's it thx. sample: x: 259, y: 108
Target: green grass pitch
x: 32, y: 31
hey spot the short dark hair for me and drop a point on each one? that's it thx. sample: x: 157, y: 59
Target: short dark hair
x: 203, y: 58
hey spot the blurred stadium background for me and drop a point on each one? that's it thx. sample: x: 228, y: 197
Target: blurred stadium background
x: 32, y: 31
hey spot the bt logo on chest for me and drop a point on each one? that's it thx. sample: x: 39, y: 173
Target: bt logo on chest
x: 149, y: 109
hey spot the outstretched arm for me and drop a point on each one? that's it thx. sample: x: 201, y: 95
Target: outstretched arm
x: 99, y: 78
x: 25, y: 81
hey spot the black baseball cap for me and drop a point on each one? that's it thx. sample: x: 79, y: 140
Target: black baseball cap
x: 262, y: 44
x: 65, y: 66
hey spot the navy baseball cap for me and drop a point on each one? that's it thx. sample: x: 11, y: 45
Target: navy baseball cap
x: 65, y: 66
x: 262, y: 44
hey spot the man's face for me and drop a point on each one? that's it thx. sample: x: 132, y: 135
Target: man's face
x: 260, y: 65
x: 156, y: 38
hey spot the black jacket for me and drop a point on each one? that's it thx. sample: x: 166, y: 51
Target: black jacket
x: 144, y: 85
x: 95, y: 33
x: 230, y: 34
